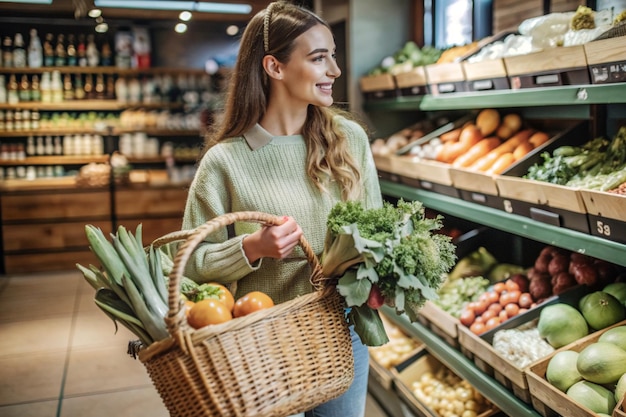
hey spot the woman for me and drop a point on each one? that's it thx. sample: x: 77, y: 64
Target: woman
x: 281, y: 149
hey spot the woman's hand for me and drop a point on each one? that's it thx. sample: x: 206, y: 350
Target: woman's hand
x: 273, y: 241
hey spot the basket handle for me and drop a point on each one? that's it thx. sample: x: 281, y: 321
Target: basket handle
x: 196, y: 236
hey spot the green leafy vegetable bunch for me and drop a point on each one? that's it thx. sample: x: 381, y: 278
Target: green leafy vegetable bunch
x: 390, y: 255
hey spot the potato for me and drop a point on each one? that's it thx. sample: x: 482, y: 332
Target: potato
x: 488, y: 121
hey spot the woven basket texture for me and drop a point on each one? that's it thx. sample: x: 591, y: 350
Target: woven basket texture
x: 272, y: 363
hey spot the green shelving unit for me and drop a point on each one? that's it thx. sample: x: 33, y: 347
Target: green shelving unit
x: 569, y: 95
x: 512, y: 223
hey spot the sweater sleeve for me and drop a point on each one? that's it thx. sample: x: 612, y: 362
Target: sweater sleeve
x: 217, y: 258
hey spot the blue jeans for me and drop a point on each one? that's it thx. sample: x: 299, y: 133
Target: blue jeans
x: 352, y: 402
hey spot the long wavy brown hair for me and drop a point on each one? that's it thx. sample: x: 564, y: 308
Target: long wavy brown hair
x: 248, y: 94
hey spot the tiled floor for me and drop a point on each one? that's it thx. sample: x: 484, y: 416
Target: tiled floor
x: 60, y: 355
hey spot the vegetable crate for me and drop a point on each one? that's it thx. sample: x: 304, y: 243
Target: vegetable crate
x: 425, y: 366
x: 620, y: 410
x: 549, y: 67
x: 446, y: 78
x: 400, y: 349
x: 605, y: 212
x: 376, y: 87
x: 606, y: 59
x: 487, y: 74
x: 412, y: 83
x: 480, y: 348
x: 548, y: 400
x: 549, y: 203
x: 504, y: 247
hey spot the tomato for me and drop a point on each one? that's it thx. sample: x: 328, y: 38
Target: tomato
x: 467, y: 317
x: 207, y: 312
x: 251, y: 302
x: 375, y: 300
x: 225, y: 296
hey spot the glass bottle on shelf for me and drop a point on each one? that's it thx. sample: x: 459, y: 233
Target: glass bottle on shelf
x: 35, y: 120
x: 106, y: 57
x: 48, y: 146
x: 30, y: 146
x: 79, y: 90
x: 7, y: 52
x: 46, y: 88
x: 93, y: 55
x: 81, y: 51
x: 39, y: 147
x: 110, y: 87
x: 17, y: 120
x: 19, y: 51
x: 35, y: 50
x: 88, y: 86
x: 3, y: 89
x: 25, y: 89
x: 12, y: 93
x: 56, y: 86
x: 58, y: 146
x: 99, y: 88
x: 35, y: 89
x: 48, y: 50
x: 60, y: 53
x: 26, y: 120
x: 72, y: 58
x: 68, y: 88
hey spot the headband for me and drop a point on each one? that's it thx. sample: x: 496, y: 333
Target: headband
x: 266, y: 27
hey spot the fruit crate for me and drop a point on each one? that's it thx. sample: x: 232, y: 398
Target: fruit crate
x: 376, y: 87
x: 548, y: 400
x: 620, y: 409
x: 398, y: 351
x: 480, y: 348
x: 549, y: 203
x: 422, y: 364
x: 506, y: 248
x: 605, y: 212
x: 549, y: 67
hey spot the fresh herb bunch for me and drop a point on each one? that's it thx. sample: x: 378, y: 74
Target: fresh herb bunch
x: 390, y: 255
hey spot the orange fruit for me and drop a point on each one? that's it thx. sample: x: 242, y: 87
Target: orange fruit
x: 225, y: 296
x: 207, y: 312
x: 251, y: 302
x: 187, y: 307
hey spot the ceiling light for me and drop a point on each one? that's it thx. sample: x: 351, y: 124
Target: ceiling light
x: 102, y: 27
x: 93, y: 13
x: 27, y: 1
x: 185, y: 16
x: 206, y: 7
x: 232, y: 30
x: 180, y: 28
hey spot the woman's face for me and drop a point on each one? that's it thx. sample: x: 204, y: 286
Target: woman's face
x: 311, y: 70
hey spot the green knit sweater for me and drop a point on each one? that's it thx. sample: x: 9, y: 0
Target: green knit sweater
x: 259, y: 172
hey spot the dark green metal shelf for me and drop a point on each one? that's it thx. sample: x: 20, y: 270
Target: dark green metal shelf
x: 464, y: 368
x: 512, y: 223
x: 547, y: 96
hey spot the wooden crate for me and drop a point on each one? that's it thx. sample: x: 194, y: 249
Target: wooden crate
x: 549, y: 400
x: 605, y: 211
x: 381, y: 373
x: 378, y: 86
x: 403, y: 378
x: 412, y: 83
x: 550, y: 67
x: 606, y: 59
x: 490, y: 361
x: 442, y: 323
x: 446, y: 78
x: 486, y: 75
x: 620, y: 408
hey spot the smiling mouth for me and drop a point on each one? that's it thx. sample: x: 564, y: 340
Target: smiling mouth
x: 325, y: 87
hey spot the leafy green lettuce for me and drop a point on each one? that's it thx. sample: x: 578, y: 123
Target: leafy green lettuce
x: 395, y: 248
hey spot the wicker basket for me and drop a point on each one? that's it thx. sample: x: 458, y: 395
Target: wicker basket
x: 275, y: 362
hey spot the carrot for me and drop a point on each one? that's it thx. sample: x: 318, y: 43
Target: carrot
x: 451, y: 136
x: 485, y: 162
x: 477, y: 151
x: 452, y: 150
x: 522, y: 149
x: 502, y: 163
x: 539, y: 139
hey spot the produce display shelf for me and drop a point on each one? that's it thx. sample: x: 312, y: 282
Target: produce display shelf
x: 527, y: 97
x: 512, y: 223
x: 465, y: 368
